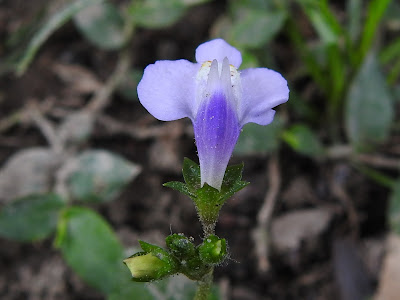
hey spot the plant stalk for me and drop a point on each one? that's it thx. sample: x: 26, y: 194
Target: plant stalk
x: 204, y: 286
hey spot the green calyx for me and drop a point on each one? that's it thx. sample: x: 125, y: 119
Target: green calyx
x: 207, y: 199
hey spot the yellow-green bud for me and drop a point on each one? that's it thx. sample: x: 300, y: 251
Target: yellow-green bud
x: 148, y: 266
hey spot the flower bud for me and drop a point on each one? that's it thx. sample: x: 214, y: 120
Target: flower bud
x: 213, y: 250
x: 180, y: 246
x: 149, y: 266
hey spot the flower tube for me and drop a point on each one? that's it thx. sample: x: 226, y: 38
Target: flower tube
x: 217, y: 97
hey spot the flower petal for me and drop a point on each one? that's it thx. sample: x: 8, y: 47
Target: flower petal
x: 218, y: 49
x: 168, y: 88
x: 262, y: 89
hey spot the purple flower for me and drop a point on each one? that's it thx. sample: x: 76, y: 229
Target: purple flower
x: 217, y: 97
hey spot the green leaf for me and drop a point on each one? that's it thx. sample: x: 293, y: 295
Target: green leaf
x: 249, y: 60
x: 93, y: 251
x: 313, y: 64
x: 91, y: 248
x: 177, y: 287
x: 256, y: 139
x: 375, y: 12
x: 303, y: 140
x: 30, y: 218
x: 28, y: 171
x: 257, y: 27
x: 102, y: 24
x: 369, y: 107
x: 129, y: 290
x: 354, y: 12
x: 76, y: 128
x: 394, y: 208
x: 100, y: 176
x: 157, y: 13
x: 323, y: 20
x: 49, y: 27
x: 180, y: 288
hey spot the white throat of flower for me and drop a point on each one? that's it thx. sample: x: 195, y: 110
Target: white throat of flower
x: 218, y: 76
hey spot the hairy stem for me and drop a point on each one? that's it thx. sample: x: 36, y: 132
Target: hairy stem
x: 204, y: 286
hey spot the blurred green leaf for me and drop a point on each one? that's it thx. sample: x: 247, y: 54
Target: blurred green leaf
x: 180, y: 288
x: 237, y: 6
x: 91, y: 248
x: 102, y: 24
x: 129, y: 290
x: 323, y: 20
x: 390, y: 55
x: 257, y: 27
x: 28, y: 171
x: 375, y: 12
x: 354, y: 12
x: 249, y: 60
x: 177, y: 287
x: 30, y: 218
x: 303, y: 140
x: 391, y: 51
x: 394, y: 208
x: 221, y: 28
x: 76, y: 128
x: 369, y: 106
x: 396, y: 93
x: 260, y: 139
x: 157, y: 13
x: 100, y: 176
x: 337, y: 70
x: 56, y: 21
x: 93, y: 251
x: 394, y: 72
x: 312, y: 61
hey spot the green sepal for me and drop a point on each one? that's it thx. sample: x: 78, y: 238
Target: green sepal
x: 208, y: 200
x: 181, y: 187
x: 213, y: 250
x: 232, y: 182
x: 161, y: 253
x: 191, y: 174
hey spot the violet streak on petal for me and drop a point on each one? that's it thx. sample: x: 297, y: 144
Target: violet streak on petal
x: 216, y: 130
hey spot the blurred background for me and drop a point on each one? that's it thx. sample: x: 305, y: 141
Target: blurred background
x: 82, y: 163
